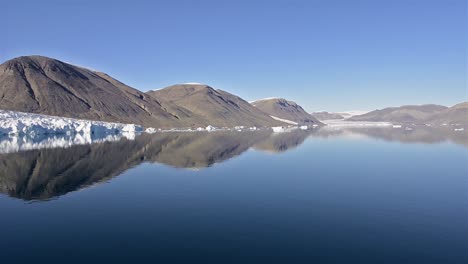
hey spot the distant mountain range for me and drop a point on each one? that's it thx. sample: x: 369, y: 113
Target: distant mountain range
x: 419, y: 114
x: 37, y: 84
x: 286, y: 111
x: 327, y: 115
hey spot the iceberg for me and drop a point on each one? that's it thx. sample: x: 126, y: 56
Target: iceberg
x: 278, y: 129
x: 150, y: 130
x: 210, y: 128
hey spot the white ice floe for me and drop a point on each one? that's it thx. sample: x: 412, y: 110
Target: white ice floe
x: 304, y: 127
x: 278, y: 129
x: 150, y: 130
x: 210, y: 128
x: 284, y: 129
x: 458, y: 129
x: 284, y: 120
x: 12, y: 122
x: 396, y: 126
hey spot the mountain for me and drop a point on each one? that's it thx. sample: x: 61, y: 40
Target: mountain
x: 216, y: 107
x: 326, y: 115
x: 417, y: 114
x: 283, y: 109
x: 457, y: 114
x: 43, y: 85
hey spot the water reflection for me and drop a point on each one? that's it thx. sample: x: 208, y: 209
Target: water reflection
x: 50, y: 172
x: 415, y: 134
x: 281, y: 142
x: 45, y: 168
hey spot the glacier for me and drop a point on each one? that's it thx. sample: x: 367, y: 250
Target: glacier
x: 12, y: 122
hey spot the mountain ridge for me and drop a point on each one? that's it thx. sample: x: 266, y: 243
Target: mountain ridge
x: 219, y: 107
x: 419, y: 114
x: 285, y: 109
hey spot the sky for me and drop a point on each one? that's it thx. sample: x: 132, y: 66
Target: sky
x: 326, y: 55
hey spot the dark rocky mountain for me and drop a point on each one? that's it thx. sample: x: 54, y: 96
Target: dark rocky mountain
x: 417, y: 114
x: 283, y: 109
x: 216, y: 107
x: 43, y: 85
x: 327, y: 115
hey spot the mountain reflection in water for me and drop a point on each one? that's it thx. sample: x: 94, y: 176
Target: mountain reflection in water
x: 50, y: 167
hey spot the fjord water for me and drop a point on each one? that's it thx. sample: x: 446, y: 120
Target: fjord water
x: 374, y: 195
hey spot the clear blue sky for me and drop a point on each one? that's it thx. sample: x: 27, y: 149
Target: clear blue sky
x: 326, y: 55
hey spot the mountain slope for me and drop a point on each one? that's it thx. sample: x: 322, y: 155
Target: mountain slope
x: 402, y: 114
x: 216, y: 107
x: 284, y: 109
x: 43, y: 85
x: 457, y: 114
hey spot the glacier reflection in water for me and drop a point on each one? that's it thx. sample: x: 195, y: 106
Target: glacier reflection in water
x: 16, y: 143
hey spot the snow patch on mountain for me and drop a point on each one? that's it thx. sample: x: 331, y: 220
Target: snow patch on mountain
x: 265, y: 99
x: 284, y: 120
x: 193, y: 83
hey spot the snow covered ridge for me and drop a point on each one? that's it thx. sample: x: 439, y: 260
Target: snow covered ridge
x: 12, y: 122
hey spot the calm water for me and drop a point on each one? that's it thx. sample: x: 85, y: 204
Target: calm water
x: 376, y: 195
